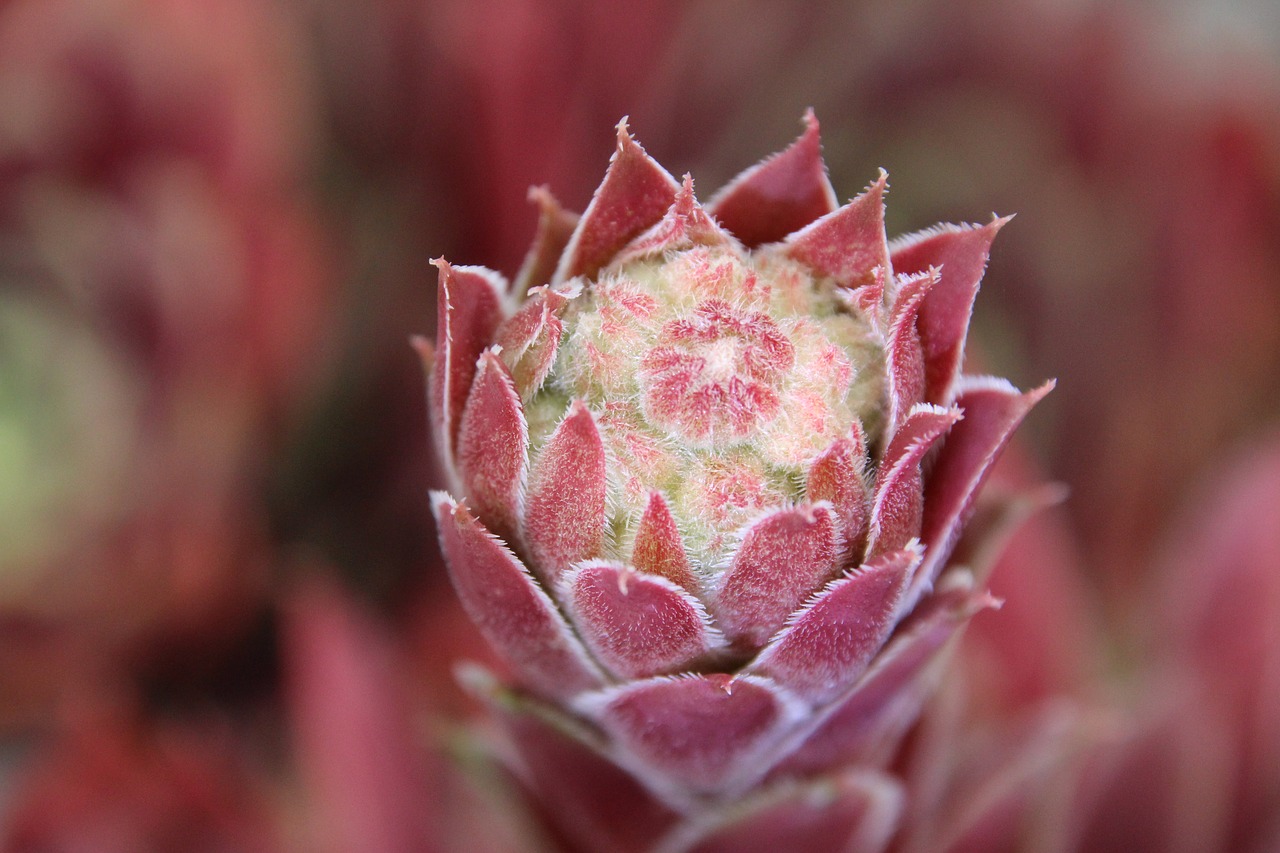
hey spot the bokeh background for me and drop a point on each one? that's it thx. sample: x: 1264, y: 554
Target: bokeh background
x: 223, y: 620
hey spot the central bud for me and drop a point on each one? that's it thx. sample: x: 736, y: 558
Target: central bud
x: 716, y: 376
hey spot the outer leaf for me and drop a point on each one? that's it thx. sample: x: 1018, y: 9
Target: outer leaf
x: 779, y: 195
x: 960, y: 252
x: 693, y: 733
x: 493, y: 446
x: 898, y: 505
x: 469, y: 306
x: 992, y: 411
x: 829, y: 643
x: 564, y: 516
x: 636, y: 192
x: 587, y: 797
x: 637, y: 625
x: 849, y: 244
x: 865, y: 726
x: 510, y: 609
x: 784, y: 557
x: 856, y: 812
x: 904, y: 354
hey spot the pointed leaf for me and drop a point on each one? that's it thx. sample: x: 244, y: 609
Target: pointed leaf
x: 692, y: 733
x: 866, y: 725
x: 903, y: 353
x: 555, y: 227
x: 849, y: 244
x: 658, y: 549
x: 992, y: 411
x: 564, y: 518
x: 784, y: 557
x: 637, y: 625
x: 493, y: 446
x: 510, y: 609
x: 836, y: 477
x: 469, y: 306
x: 960, y: 251
x: 530, y: 339
x: 636, y: 192
x: 899, y: 502
x: 857, y: 812
x: 684, y: 226
x: 829, y: 643
x: 779, y: 195
x: 587, y: 797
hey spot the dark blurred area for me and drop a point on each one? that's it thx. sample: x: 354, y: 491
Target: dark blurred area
x: 224, y: 624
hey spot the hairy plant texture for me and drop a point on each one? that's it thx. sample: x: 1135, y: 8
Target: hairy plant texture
x: 711, y: 463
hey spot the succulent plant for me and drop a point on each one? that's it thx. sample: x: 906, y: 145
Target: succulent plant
x: 710, y: 465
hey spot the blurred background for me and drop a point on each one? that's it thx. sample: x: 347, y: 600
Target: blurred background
x: 223, y: 621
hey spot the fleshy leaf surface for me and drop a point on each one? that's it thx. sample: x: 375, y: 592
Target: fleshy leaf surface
x: 658, y: 548
x: 856, y: 812
x: 637, y: 625
x: 694, y: 732
x: 564, y: 518
x: 836, y: 477
x: 904, y: 356
x: 992, y: 411
x: 829, y: 643
x: 783, y: 559
x: 469, y: 309
x: 635, y: 194
x: 899, y: 498
x: 493, y: 446
x: 530, y: 339
x: 779, y: 195
x: 512, y: 612
x: 848, y: 244
x: 684, y: 226
x: 960, y: 252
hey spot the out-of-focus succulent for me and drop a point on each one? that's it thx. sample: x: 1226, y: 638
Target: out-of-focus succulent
x: 712, y: 462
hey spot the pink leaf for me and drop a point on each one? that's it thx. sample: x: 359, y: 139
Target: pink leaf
x: 564, y: 517
x: 779, y: 195
x: 691, y: 733
x: 903, y: 351
x: 899, y: 501
x: 469, y: 305
x: 530, y: 339
x: 555, y: 227
x: 829, y: 643
x: 637, y: 625
x: 493, y: 446
x: 510, y: 609
x: 992, y: 411
x: 783, y: 559
x: 588, y: 797
x: 856, y: 812
x: 636, y: 192
x: 836, y: 477
x: 684, y: 226
x: 849, y: 244
x: 658, y: 549
x: 866, y: 725
x: 960, y: 252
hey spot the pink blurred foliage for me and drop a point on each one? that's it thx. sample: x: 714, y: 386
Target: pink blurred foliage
x: 116, y: 783
x: 151, y: 160
x: 154, y: 167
